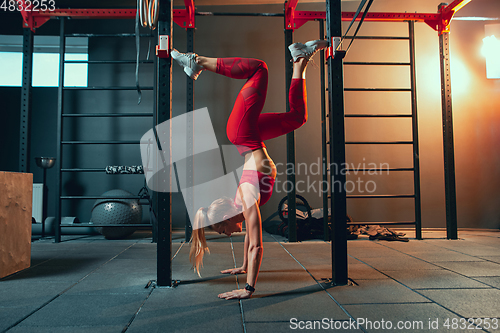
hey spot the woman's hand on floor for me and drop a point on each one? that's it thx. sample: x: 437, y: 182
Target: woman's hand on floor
x: 236, y: 294
x: 233, y: 271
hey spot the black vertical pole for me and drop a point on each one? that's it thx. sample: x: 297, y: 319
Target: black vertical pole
x: 448, y: 149
x: 25, y: 121
x: 337, y: 147
x: 416, y: 154
x: 190, y: 133
x: 60, y: 105
x: 324, y: 157
x: 290, y: 144
x: 45, y: 198
x: 163, y: 201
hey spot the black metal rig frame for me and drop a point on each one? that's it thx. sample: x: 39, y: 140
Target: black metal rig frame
x: 163, y: 104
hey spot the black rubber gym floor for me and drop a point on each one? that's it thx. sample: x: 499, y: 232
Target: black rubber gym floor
x: 89, y: 284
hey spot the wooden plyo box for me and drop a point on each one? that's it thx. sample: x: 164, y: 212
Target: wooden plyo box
x: 16, y: 190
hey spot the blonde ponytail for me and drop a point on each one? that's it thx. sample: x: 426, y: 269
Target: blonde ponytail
x: 198, y: 241
x: 206, y: 217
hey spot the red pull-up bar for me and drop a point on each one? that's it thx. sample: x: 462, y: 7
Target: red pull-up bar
x: 35, y: 19
x: 294, y: 19
x: 440, y: 21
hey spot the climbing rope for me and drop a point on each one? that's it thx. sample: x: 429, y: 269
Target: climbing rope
x: 148, y: 12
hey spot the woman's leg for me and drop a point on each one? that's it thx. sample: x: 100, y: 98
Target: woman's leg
x: 272, y: 125
x: 299, y: 69
x: 246, y: 126
x: 207, y: 63
x: 242, y: 126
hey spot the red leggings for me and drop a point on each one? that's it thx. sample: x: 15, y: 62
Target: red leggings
x: 247, y: 127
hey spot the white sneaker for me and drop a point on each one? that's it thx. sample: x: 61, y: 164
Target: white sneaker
x: 188, y: 61
x: 307, y: 50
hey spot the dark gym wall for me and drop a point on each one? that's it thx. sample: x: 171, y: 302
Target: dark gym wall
x: 475, y: 109
x: 9, y: 128
x: 130, y: 129
x: 10, y: 98
x: 44, y: 119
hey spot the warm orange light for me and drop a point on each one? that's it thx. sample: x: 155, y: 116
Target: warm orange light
x: 490, y: 45
x: 460, y: 5
x: 460, y: 77
x: 491, y: 51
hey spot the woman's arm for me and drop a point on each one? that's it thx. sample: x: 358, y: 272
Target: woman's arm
x: 253, y: 252
x: 245, y: 253
x: 255, y: 246
x: 243, y: 268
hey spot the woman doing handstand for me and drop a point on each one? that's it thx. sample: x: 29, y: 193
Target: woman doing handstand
x: 247, y: 128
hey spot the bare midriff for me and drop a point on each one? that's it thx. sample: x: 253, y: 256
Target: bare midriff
x: 260, y: 160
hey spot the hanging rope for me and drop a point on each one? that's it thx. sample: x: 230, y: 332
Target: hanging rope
x: 360, y: 7
x: 148, y: 13
x: 138, y: 54
x: 360, y: 23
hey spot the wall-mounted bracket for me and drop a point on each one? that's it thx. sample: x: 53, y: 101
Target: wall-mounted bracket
x: 163, y: 47
x: 332, y: 51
